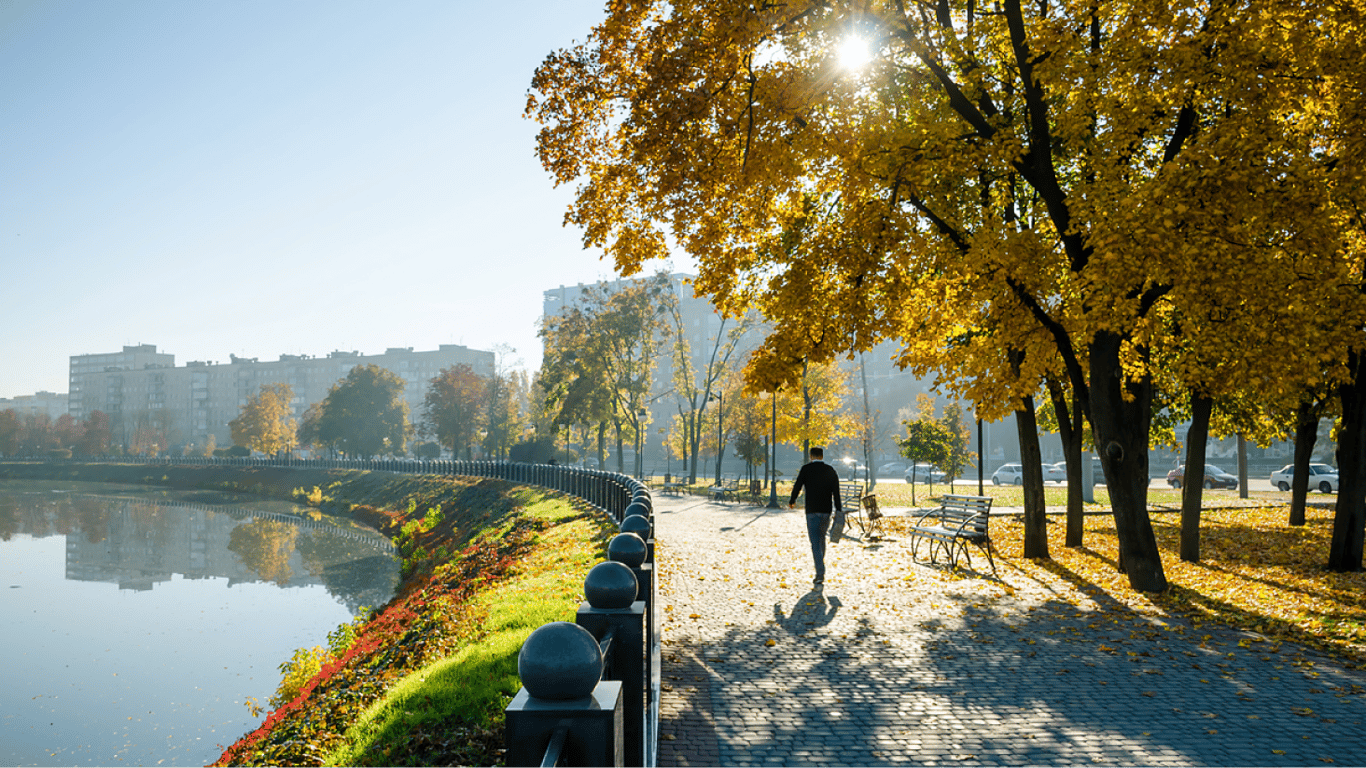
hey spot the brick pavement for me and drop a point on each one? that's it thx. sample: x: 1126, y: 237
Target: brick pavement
x: 896, y: 662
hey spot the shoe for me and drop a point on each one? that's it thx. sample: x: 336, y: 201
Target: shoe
x: 818, y: 582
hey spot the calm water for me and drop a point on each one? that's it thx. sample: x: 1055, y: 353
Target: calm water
x: 137, y: 623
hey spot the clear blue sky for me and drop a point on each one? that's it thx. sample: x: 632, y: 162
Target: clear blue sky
x: 264, y: 177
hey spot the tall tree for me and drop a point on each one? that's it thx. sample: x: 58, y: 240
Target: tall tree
x: 11, y: 432
x: 96, y: 435
x: 266, y: 423
x: 455, y: 408
x: 694, y: 384
x: 601, y: 356
x: 365, y: 414
x: 1053, y: 175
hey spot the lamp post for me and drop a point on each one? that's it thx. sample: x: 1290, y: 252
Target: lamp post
x: 720, y: 414
x: 640, y: 442
x: 981, y: 457
x: 773, y: 462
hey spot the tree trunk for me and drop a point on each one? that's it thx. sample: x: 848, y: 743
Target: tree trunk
x: 1120, y: 427
x: 1070, y: 425
x: 1193, y: 482
x: 1306, y: 434
x: 1349, y: 515
x: 694, y: 438
x: 1031, y: 462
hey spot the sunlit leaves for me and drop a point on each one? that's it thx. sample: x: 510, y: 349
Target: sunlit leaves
x: 265, y: 423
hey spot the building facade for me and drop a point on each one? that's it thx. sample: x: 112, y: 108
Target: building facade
x: 140, y: 388
x: 50, y: 404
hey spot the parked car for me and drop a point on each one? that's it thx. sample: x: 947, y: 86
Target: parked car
x: 925, y: 473
x: 1056, y: 473
x: 1008, y: 474
x: 892, y: 469
x: 1321, y: 477
x: 1214, y: 477
x: 850, y: 469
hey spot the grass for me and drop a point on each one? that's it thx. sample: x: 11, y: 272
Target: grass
x: 451, y: 710
x: 426, y: 679
x: 1256, y: 573
x: 899, y: 495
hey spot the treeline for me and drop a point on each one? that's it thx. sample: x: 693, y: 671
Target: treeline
x: 38, y: 435
x: 471, y: 415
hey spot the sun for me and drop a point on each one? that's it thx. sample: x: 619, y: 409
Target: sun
x: 854, y: 52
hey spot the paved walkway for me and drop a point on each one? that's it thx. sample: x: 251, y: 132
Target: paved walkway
x: 895, y: 662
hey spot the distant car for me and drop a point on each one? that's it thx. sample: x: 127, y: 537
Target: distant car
x: 1008, y: 474
x: 893, y: 469
x: 850, y: 469
x: 1321, y: 477
x: 1055, y: 472
x: 1214, y: 477
x: 925, y: 473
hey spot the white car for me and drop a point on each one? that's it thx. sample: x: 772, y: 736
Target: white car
x: 1056, y: 473
x: 1008, y: 474
x: 924, y: 473
x: 1322, y: 478
x: 893, y: 469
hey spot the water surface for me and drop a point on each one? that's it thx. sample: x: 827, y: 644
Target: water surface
x: 138, y: 622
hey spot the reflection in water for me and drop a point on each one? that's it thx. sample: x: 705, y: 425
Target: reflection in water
x: 137, y: 543
x: 125, y: 644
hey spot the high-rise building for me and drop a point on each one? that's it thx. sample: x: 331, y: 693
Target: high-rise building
x: 142, y: 388
x: 50, y: 404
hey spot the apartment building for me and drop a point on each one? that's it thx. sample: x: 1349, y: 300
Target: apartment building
x: 50, y: 404
x: 140, y: 387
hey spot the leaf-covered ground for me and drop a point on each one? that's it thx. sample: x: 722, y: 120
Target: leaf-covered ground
x: 1256, y: 573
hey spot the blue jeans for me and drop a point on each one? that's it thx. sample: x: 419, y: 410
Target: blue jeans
x: 816, y: 527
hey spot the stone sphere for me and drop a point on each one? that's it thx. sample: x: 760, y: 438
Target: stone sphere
x: 643, y: 496
x: 636, y: 508
x: 560, y: 661
x: 627, y: 548
x: 610, y: 585
x: 637, y: 524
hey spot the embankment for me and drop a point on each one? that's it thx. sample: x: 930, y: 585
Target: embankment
x: 425, y: 678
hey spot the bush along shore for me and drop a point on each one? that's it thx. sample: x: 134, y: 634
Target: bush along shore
x: 424, y: 679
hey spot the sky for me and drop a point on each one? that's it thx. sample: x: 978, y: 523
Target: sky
x: 261, y: 178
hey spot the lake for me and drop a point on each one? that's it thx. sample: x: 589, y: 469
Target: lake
x: 139, y: 621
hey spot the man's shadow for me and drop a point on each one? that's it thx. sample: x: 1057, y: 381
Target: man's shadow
x: 811, y: 610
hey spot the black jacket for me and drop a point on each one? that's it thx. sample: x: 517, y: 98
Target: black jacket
x: 822, y: 486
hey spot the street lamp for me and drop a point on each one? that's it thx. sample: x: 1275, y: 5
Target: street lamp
x: 773, y: 462
x: 720, y: 414
x: 640, y: 442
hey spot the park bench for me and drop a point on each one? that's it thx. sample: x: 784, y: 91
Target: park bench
x: 959, y: 521
x: 850, y: 496
x: 726, y: 490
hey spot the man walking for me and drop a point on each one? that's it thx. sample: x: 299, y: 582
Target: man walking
x: 822, y: 486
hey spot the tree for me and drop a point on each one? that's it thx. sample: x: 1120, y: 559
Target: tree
x: 11, y: 432
x: 601, y: 355
x: 693, y: 386
x: 96, y: 435
x: 1049, y: 179
x: 927, y: 439
x: 364, y: 414
x: 506, y: 398
x: 307, y: 435
x: 456, y: 408
x: 265, y: 423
